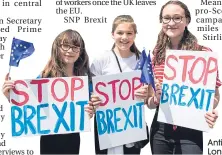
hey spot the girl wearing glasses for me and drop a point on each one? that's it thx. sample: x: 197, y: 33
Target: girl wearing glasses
x: 68, y: 58
x: 166, y: 138
x: 122, y: 57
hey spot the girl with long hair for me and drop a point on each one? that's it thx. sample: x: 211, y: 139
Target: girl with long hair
x: 166, y: 138
x: 68, y: 58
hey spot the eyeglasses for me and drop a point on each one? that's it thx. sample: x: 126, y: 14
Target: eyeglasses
x: 176, y: 19
x: 66, y: 47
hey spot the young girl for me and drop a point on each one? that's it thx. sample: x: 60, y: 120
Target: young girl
x: 122, y: 57
x: 166, y: 138
x: 68, y: 58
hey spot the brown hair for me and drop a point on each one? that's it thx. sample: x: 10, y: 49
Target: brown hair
x: 188, y: 41
x: 127, y: 19
x: 56, y: 67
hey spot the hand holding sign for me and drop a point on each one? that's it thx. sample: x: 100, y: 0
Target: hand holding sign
x: 89, y: 108
x: 92, y: 105
x: 142, y: 92
x: 211, y: 118
x: 96, y: 101
x: 8, y: 84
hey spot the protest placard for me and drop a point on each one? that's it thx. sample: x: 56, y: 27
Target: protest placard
x: 49, y: 106
x: 120, y: 118
x: 188, y: 88
x: 40, y: 21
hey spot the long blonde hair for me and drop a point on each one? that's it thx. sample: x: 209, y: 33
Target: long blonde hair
x: 188, y: 41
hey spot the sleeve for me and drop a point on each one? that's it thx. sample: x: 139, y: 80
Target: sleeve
x: 96, y: 67
x: 218, y: 82
x: 153, y: 58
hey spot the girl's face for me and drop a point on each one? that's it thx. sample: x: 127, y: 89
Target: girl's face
x: 174, y: 21
x: 124, y: 36
x: 69, y: 53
